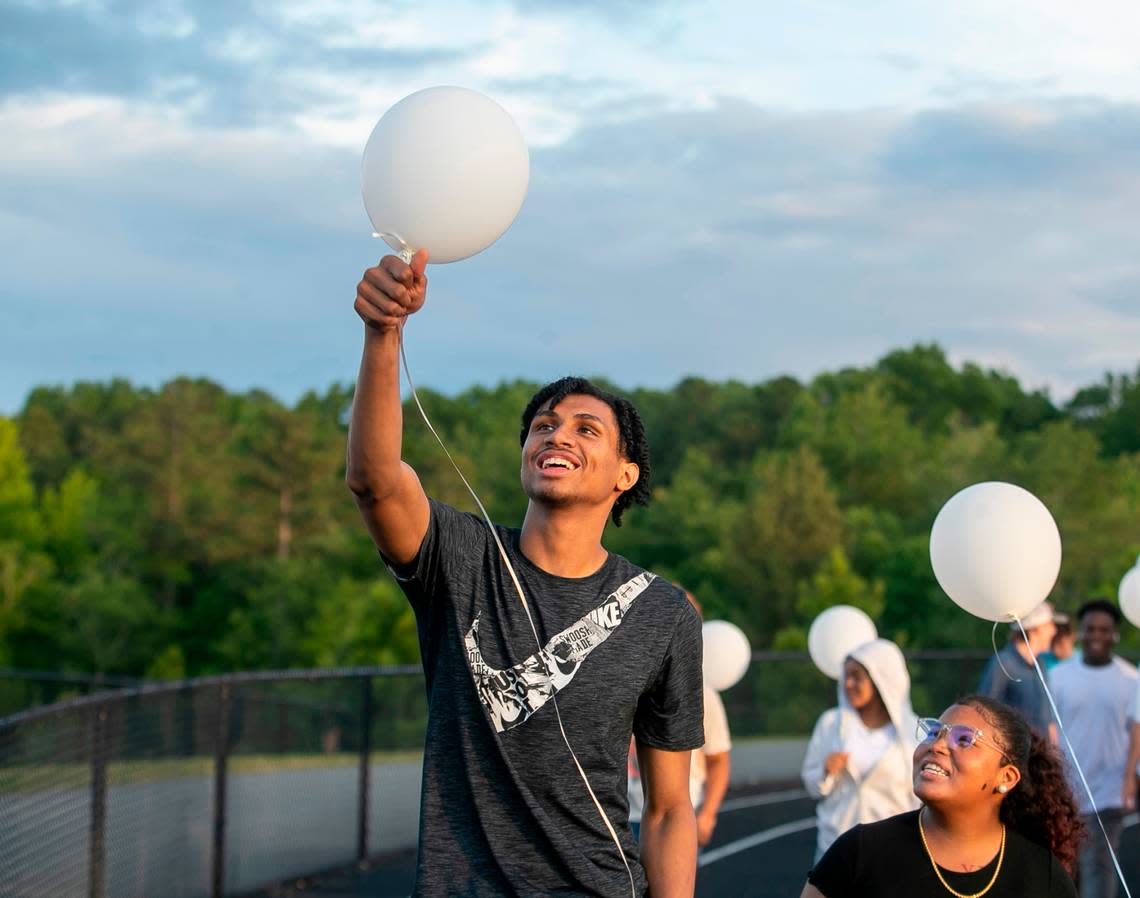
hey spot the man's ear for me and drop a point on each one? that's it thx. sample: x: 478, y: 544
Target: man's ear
x: 628, y: 475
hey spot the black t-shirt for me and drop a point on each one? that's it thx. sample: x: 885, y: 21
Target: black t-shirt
x: 886, y: 860
x: 503, y: 809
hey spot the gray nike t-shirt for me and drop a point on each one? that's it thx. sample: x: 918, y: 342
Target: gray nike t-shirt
x: 503, y: 809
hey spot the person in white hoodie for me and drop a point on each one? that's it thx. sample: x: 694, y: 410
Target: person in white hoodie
x: 858, y: 763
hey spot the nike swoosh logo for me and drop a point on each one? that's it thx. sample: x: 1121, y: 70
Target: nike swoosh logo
x: 511, y: 695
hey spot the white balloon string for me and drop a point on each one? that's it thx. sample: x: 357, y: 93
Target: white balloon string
x: 398, y: 244
x: 997, y: 654
x: 1073, y: 757
x: 526, y: 607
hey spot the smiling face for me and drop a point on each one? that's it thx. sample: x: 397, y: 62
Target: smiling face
x: 1098, y: 636
x: 958, y: 775
x: 572, y: 455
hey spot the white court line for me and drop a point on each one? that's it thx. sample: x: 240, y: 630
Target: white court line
x: 752, y: 801
x: 786, y: 829
x: 767, y: 835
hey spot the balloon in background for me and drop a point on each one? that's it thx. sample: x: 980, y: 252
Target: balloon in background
x: 726, y: 654
x: 995, y: 550
x: 446, y: 169
x: 835, y: 634
x: 1130, y: 594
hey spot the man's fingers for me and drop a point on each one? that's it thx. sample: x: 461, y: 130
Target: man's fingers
x: 379, y: 303
x: 380, y: 283
x: 397, y: 269
x: 392, y: 289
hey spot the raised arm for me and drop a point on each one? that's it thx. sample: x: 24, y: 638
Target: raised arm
x: 668, y: 825
x: 388, y: 492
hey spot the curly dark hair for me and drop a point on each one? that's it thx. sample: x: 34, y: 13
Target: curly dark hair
x: 631, y: 432
x: 1041, y: 807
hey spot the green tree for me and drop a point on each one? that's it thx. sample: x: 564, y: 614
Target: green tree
x: 874, y: 455
x: 23, y: 566
x: 787, y: 523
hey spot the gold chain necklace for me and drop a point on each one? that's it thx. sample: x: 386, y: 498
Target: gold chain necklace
x: 938, y: 873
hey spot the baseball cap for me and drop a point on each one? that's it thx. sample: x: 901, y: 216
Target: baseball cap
x: 1042, y: 614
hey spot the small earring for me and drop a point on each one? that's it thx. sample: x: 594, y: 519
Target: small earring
x: 1003, y: 789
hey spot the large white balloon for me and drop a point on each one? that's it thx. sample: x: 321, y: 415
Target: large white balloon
x: 1130, y: 594
x: 995, y: 550
x: 726, y: 654
x: 835, y: 634
x: 446, y: 169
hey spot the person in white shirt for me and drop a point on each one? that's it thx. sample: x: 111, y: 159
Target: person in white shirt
x: 859, y: 759
x: 708, y: 771
x: 1094, y: 696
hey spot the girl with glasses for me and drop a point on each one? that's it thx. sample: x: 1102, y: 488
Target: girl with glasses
x: 997, y: 818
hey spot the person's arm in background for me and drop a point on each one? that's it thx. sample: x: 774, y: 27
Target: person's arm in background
x: 717, y: 771
x: 1128, y: 789
x: 388, y: 492
x: 715, y: 754
x: 668, y: 824
x: 822, y: 765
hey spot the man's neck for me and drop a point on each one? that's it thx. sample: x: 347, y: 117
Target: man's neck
x: 1095, y: 661
x: 563, y: 542
x: 1024, y: 650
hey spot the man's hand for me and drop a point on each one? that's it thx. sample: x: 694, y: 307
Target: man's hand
x: 392, y: 291
x: 1128, y: 792
x: 835, y: 762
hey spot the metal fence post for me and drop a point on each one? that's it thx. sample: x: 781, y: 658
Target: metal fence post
x: 365, y: 757
x: 96, y: 846
x: 221, y: 752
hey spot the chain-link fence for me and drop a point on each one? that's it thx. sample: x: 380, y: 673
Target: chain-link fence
x: 210, y: 787
x: 223, y: 785
x: 22, y: 689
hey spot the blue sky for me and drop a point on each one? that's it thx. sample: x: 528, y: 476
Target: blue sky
x: 730, y: 190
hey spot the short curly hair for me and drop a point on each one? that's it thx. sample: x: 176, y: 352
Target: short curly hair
x: 631, y: 432
x: 1041, y: 807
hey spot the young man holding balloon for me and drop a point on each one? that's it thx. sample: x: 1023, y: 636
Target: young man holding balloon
x: 542, y: 651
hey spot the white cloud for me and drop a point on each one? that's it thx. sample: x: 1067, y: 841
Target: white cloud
x: 810, y: 187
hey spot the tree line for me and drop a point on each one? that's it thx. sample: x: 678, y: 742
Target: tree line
x: 188, y: 529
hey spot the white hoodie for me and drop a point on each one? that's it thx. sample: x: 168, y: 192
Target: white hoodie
x: 887, y: 789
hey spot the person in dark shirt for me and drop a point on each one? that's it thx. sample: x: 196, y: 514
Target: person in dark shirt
x: 997, y: 818
x: 542, y: 651
x: 1011, y: 677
